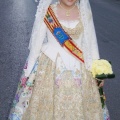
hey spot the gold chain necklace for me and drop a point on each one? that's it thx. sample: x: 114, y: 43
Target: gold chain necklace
x: 67, y: 11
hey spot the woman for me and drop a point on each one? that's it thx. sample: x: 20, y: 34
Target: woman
x: 56, y: 83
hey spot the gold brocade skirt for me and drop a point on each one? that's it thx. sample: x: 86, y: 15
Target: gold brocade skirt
x: 58, y: 95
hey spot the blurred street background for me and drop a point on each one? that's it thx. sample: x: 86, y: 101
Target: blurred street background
x: 16, y: 22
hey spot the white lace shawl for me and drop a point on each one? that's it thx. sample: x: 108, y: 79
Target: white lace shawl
x: 90, y: 46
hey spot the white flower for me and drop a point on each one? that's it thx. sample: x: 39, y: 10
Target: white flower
x: 101, y: 67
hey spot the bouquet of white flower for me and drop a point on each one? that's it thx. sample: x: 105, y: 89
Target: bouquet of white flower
x: 101, y: 70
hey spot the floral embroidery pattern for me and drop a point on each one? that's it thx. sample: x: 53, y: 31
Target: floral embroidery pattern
x: 52, y: 91
x: 23, y: 81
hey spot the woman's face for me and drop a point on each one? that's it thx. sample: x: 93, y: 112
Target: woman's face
x: 68, y: 2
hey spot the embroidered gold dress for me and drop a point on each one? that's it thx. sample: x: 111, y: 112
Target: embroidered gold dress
x: 59, y: 90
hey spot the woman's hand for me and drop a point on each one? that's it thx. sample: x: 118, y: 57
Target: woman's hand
x: 101, y: 84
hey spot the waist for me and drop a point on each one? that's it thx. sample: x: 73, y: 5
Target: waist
x: 52, y: 51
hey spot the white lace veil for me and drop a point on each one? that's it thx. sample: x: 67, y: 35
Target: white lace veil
x: 40, y: 13
x: 90, y: 48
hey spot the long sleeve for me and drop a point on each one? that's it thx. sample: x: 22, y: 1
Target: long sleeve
x: 93, y: 51
x: 93, y: 44
x: 36, y: 47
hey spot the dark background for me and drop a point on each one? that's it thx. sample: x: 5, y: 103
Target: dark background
x: 16, y: 22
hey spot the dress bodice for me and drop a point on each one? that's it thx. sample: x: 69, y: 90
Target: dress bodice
x: 52, y: 47
x: 73, y: 28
